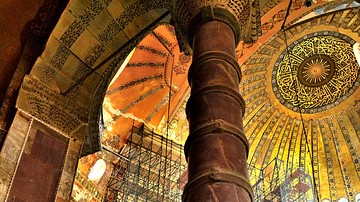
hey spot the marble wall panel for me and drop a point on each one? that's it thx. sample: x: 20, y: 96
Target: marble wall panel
x: 11, y: 151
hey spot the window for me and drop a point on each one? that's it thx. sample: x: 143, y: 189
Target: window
x: 343, y: 200
x: 97, y: 171
x: 357, y: 197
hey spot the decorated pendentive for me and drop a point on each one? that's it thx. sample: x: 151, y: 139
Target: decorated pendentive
x: 316, y: 72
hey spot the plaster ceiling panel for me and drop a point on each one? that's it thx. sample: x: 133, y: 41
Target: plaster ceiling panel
x: 156, y: 99
x: 142, y: 89
x: 127, y: 98
x: 272, y: 20
x: 321, y: 139
x: 320, y: 144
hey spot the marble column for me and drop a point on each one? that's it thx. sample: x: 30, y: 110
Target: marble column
x: 217, y: 148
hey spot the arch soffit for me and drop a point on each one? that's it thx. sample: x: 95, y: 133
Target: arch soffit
x: 67, y: 83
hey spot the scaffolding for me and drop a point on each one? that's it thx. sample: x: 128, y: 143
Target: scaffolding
x: 273, y: 183
x: 151, y: 170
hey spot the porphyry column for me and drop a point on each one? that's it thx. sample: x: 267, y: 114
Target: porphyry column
x: 216, y: 149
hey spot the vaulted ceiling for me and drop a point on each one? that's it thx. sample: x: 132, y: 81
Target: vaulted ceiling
x: 302, y: 103
x: 319, y: 75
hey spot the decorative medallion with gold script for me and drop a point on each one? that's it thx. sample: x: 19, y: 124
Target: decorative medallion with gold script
x: 317, y: 72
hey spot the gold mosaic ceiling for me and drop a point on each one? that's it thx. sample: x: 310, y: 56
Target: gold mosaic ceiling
x: 141, y: 91
x: 319, y: 75
x: 323, y: 139
x: 320, y: 71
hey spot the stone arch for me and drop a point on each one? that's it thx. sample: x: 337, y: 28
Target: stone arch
x: 95, y: 126
x: 67, y: 83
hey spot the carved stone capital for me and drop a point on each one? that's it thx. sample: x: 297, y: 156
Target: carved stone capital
x: 243, y: 16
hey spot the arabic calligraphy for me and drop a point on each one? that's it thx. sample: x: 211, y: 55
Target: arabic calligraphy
x: 318, y: 70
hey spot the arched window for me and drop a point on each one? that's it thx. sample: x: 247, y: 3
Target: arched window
x: 343, y: 200
x: 97, y: 171
x: 326, y: 200
x: 357, y: 197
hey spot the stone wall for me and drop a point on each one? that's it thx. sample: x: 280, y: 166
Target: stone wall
x: 11, y: 151
x: 40, y: 157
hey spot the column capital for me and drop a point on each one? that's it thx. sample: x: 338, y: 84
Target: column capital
x: 243, y: 16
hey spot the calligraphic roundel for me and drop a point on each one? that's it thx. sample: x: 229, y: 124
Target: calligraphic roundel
x: 317, y: 72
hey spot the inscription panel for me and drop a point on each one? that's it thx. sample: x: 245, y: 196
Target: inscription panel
x: 317, y: 72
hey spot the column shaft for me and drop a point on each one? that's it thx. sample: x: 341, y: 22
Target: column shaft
x: 216, y: 148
